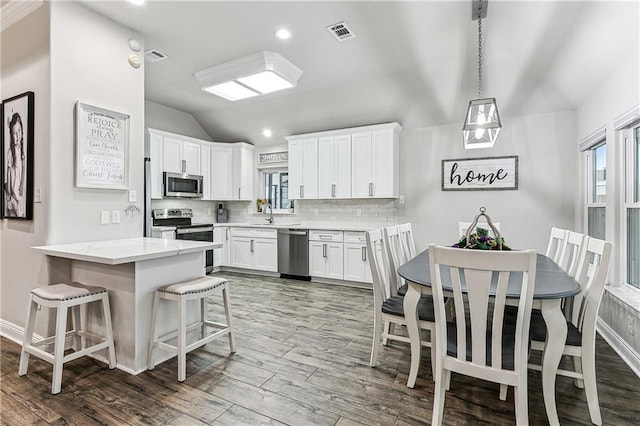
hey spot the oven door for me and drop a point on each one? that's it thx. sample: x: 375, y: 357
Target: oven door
x: 204, y: 233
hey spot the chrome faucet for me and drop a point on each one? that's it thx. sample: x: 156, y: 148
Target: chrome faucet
x: 270, y: 218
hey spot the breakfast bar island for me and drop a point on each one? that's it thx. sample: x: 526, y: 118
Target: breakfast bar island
x: 131, y: 270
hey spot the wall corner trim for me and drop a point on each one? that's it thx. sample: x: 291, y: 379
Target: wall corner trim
x: 622, y: 348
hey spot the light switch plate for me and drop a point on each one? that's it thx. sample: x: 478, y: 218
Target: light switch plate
x: 104, y: 217
x: 115, y: 216
x: 401, y: 199
x: 37, y: 194
x: 133, y: 196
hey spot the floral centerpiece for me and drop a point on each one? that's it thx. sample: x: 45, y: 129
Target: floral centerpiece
x: 481, y: 240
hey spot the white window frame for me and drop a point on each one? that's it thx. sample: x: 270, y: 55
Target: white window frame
x: 625, y: 126
x: 273, y: 169
x: 588, y: 146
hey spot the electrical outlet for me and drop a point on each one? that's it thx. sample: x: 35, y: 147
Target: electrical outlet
x: 115, y: 216
x: 401, y: 199
x: 133, y: 196
x: 37, y: 195
x: 208, y: 211
x: 315, y: 212
x: 104, y: 217
x: 358, y: 212
x: 630, y: 324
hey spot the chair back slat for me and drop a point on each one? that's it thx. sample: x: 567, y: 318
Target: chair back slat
x: 396, y: 256
x: 557, y: 241
x: 484, y: 276
x: 592, y: 276
x: 406, y: 237
x: 379, y: 267
x: 570, y: 256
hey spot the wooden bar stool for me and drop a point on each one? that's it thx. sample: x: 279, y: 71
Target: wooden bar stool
x: 198, y: 289
x: 62, y: 297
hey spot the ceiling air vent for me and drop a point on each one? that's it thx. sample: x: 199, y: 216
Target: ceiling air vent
x: 341, y: 31
x: 153, y: 55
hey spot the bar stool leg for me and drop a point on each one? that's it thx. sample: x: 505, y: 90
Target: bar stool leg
x: 106, y: 311
x: 58, y: 351
x: 203, y: 318
x: 78, y: 341
x: 227, y: 313
x: 182, y: 339
x: 28, y: 337
x: 152, y: 334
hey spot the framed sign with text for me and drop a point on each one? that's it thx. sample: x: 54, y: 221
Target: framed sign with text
x: 480, y: 174
x: 102, y: 148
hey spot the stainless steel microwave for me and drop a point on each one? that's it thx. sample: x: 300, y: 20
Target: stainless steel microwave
x: 182, y: 185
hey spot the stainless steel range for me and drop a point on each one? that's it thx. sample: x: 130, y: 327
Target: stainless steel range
x: 180, y: 219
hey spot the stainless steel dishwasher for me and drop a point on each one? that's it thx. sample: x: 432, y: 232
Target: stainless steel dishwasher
x: 293, y: 253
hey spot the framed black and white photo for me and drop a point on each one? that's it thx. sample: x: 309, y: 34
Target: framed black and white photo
x: 102, y: 148
x: 480, y: 174
x: 17, y: 156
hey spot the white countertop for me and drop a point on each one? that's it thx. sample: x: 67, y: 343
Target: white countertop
x: 321, y: 226
x: 115, y: 252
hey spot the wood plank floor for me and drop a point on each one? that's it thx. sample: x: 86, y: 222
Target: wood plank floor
x: 302, y: 359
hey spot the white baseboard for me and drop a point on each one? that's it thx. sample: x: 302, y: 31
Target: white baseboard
x: 622, y: 348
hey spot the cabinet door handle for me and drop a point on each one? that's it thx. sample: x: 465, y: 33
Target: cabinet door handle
x: 239, y: 193
x: 251, y: 249
x: 324, y: 250
x: 370, y: 189
x: 227, y: 234
x: 301, y: 191
x: 325, y: 237
x: 333, y: 190
x: 364, y: 254
x: 184, y: 166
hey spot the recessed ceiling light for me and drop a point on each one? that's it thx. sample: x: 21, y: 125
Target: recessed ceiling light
x: 283, y: 34
x: 267, y: 133
x: 137, y: 2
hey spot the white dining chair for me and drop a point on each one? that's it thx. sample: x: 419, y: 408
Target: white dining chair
x: 581, y: 322
x: 570, y: 256
x: 463, y: 227
x: 483, y: 342
x: 397, y: 258
x: 388, y: 308
x: 406, y: 238
x: 557, y: 241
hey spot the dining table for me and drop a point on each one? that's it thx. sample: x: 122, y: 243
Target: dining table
x: 552, y: 285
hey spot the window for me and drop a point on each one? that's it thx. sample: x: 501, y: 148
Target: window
x: 276, y: 189
x: 632, y: 204
x: 595, y: 154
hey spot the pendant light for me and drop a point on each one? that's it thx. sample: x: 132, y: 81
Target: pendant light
x: 482, y: 123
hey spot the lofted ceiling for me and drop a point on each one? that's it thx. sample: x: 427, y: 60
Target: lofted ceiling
x: 414, y: 62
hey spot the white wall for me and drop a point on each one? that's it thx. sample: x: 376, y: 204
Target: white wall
x: 546, y: 192
x: 89, y: 64
x: 162, y: 117
x: 25, y: 67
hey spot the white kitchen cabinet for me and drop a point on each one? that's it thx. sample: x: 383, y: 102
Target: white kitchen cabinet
x: 303, y: 168
x: 155, y: 156
x: 326, y: 254
x: 221, y: 255
x: 356, y: 262
x: 205, y: 171
x: 181, y: 156
x: 242, y: 171
x: 375, y: 163
x: 254, y: 248
x: 221, y: 172
x: 334, y: 166
x: 163, y: 233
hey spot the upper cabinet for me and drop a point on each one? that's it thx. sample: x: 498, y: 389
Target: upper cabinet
x: 227, y: 168
x: 303, y: 168
x: 242, y: 171
x: 360, y: 162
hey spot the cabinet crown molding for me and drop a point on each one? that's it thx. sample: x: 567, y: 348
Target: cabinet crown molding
x: 394, y: 125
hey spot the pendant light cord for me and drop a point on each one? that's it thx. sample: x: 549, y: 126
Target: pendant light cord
x: 479, y: 58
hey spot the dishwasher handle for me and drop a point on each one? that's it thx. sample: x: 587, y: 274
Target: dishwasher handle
x: 291, y: 232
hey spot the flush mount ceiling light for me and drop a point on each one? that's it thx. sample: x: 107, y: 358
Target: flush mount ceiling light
x: 482, y: 123
x: 253, y: 75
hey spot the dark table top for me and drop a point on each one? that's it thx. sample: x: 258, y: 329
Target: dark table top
x: 552, y: 282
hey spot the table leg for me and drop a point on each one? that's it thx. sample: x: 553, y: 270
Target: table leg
x: 553, y: 348
x: 410, y: 305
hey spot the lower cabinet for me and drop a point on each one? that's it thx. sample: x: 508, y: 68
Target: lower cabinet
x: 326, y: 259
x: 253, y: 248
x: 221, y: 255
x: 356, y: 263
